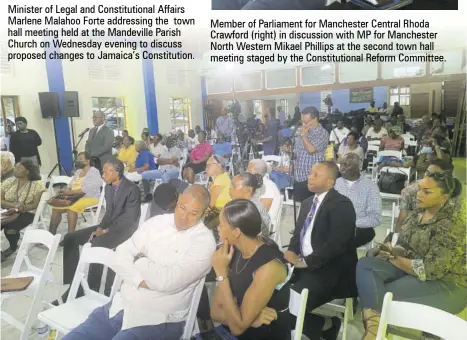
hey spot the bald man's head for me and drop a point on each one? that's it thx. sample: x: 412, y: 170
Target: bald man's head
x: 191, y: 207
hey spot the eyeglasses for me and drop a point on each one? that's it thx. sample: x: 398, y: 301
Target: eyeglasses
x: 437, y: 175
x: 445, y: 177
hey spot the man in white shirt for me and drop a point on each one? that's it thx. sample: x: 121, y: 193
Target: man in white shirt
x: 161, y: 264
x: 338, y: 134
x: 192, y: 140
x: 156, y: 148
x: 377, y: 131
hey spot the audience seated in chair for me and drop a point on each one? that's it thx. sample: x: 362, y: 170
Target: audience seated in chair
x: 244, y: 187
x: 322, y: 249
x: 169, y: 166
x: 87, y: 182
x: 393, y: 141
x: 408, y: 201
x: 220, y: 188
x: 365, y: 197
x: 268, y: 190
x: 20, y: 195
x: 161, y: 264
x: 427, y: 265
x: 430, y: 151
x: 128, y: 153
x: 200, y: 154
x: 351, y: 146
x: 123, y: 209
x: 377, y: 131
x: 252, y: 293
x: 222, y: 147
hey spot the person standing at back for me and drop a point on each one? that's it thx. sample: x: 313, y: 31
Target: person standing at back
x: 100, y: 140
x: 310, y: 147
x: 24, y: 143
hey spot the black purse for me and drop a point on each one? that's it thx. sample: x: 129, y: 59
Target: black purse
x: 391, y: 182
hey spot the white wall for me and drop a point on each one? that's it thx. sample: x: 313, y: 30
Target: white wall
x: 26, y: 80
x: 127, y: 82
x: 186, y: 83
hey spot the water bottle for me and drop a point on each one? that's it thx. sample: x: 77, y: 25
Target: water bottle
x: 42, y: 330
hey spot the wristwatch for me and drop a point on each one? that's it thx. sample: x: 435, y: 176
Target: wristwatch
x: 221, y: 278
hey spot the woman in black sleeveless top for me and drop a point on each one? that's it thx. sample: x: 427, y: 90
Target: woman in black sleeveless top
x: 251, y: 298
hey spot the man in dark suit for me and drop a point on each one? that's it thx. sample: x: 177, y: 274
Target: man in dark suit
x: 101, y: 139
x: 123, y: 209
x: 322, y: 249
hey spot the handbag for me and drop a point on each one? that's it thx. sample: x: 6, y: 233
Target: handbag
x: 391, y: 182
x: 61, y: 201
x: 329, y: 154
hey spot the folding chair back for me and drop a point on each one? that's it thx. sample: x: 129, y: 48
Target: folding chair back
x: 297, y: 307
x: 40, y: 276
x: 69, y: 315
x: 92, y: 255
x: 420, y: 317
x: 144, y: 213
x: 38, y: 215
x: 191, y: 325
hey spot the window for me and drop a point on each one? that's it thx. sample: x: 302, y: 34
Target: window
x: 6, y: 67
x: 114, y: 111
x: 109, y: 70
x: 180, y: 114
x: 399, y: 94
x: 284, y: 104
x: 10, y: 110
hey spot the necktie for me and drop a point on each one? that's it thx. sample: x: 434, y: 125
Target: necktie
x: 307, y: 223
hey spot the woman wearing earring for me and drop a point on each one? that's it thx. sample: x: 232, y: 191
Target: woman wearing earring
x: 252, y: 294
x: 427, y: 265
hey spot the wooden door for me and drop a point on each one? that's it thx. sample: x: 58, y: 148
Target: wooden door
x: 419, y: 105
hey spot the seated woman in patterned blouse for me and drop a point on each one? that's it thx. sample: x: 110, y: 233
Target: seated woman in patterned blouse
x: 427, y: 265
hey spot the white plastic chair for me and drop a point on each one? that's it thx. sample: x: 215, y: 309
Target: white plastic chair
x: 342, y: 308
x: 276, y: 217
x: 297, y: 307
x: 420, y: 317
x: 389, y: 153
x: 370, y: 155
x: 38, y: 215
x: 182, y: 164
x: 202, y: 178
x: 95, y: 210
x: 144, y: 213
x: 191, y: 324
x: 41, y: 276
x: 56, y: 180
x: 69, y: 315
x: 272, y: 159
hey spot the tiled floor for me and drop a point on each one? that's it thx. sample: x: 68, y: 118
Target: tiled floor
x: 19, y: 307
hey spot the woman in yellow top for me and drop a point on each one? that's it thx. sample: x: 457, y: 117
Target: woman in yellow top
x: 220, y: 188
x: 128, y: 153
x: 88, y: 181
x: 22, y: 192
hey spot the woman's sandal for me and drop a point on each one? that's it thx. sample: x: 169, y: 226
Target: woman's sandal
x: 368, y: 328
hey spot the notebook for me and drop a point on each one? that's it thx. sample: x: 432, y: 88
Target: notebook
x: 16, y: 284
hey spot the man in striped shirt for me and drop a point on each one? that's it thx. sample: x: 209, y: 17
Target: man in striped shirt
x: 310, y: 147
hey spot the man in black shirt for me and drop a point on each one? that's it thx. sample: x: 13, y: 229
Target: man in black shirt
x: 24, y: 143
